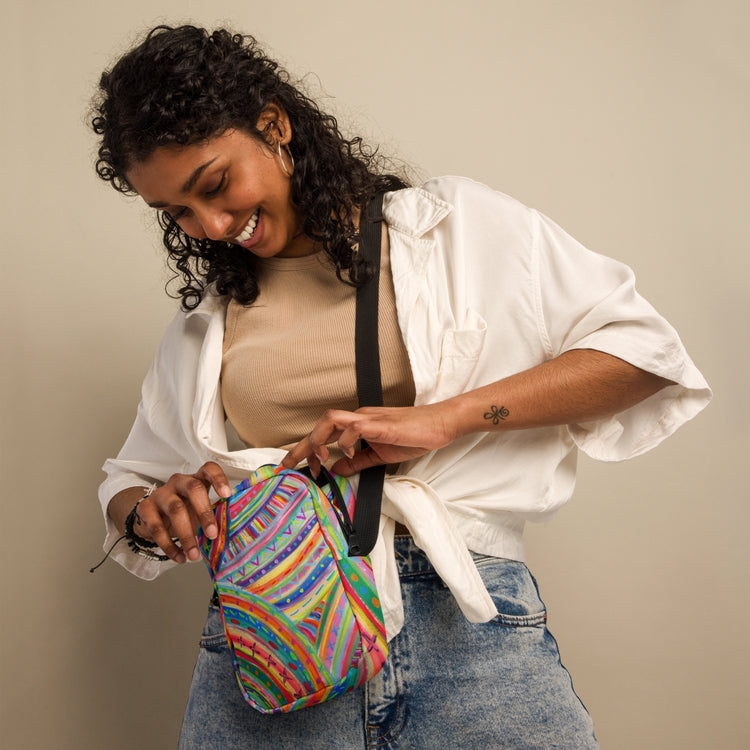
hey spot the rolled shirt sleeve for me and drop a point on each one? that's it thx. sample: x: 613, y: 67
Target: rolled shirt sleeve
x: 589, y: 301
x: 148, y: 456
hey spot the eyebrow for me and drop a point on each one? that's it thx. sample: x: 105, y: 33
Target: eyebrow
x: 189, y: 183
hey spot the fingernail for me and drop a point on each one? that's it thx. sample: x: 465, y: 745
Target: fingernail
x: 212, y: 532
x: 193, y: 554
x: 180, y: 558
x: 225, y: 491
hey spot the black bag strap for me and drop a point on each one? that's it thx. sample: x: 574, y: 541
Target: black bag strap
x: 366, y: 519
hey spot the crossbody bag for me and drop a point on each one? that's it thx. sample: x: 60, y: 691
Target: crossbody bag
x: 290, y: 562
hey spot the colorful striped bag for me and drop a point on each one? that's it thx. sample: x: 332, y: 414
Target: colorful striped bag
x: 300, y: 608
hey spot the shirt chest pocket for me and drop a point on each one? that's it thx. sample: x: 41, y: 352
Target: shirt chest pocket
x: 459, y: 353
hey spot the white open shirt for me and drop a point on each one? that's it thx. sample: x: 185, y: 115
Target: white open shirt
x: 485, y: 287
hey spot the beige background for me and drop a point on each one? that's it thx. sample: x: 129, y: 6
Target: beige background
x: 627, y: 122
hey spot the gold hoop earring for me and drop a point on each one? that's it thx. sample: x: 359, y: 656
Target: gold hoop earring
x: 281, y: 158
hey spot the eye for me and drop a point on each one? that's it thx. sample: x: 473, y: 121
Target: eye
x: 178, y: 214
x: 218, y: 188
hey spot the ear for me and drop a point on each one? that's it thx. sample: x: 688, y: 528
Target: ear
x: 273, y: 124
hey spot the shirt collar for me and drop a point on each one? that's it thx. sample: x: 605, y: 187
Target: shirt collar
x: 414, y: 211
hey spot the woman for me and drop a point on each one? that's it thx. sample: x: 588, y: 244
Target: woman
x: 505, y: 345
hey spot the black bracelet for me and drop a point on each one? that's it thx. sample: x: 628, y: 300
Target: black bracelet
x: 138, y: 544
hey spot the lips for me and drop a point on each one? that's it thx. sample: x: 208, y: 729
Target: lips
x: 247, y: 233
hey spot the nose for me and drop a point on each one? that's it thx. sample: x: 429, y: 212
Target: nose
x: 215, y: 223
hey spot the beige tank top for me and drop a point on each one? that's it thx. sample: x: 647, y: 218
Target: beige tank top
x: 290, y: 355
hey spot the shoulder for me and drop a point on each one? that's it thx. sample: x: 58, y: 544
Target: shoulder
x: 456, y: 201
x: 468, y: 194
x: 454, y: 189
x: 484, y: 216
x: 185, y: 335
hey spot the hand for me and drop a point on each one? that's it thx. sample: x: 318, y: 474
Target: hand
x: 177, y: 508
x: 393, y: 434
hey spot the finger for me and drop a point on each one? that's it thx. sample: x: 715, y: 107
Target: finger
x: 328, y: 430
x: 216, y: 477
x: 190, y: 502
x: 348, y: 466
x: 297, y: 454
x: 212, y: 475
x: 348, y: 439
x: 152, y: 527
x: 375, y: 425
x: 314, y: 464
x: 304, y: 451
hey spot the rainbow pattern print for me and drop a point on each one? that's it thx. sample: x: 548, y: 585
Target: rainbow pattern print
x: 302, y: 618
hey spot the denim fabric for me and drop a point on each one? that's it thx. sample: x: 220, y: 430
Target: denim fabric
x: 447, y: 683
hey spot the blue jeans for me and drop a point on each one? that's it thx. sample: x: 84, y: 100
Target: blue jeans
x: 447, y: 683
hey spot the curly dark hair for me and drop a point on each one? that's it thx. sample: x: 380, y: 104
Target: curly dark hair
x: 184, y: 85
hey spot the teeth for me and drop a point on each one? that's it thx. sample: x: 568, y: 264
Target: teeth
x: 249, y: 230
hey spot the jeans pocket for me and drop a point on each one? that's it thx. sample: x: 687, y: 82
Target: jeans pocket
x: 514, y: 592
x: 213, y: 637
x: 519, y: 621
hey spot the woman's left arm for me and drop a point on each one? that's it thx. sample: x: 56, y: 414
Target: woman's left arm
x: 580, y: 385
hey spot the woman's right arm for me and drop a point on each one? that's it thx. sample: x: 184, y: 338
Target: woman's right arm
x: 174, y: 510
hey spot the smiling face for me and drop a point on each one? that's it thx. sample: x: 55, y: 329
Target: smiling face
x: 231, y: 188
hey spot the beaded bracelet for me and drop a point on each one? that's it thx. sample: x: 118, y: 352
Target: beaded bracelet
x: 137, y: 543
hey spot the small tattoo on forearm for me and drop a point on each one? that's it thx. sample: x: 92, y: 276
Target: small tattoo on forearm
x: 496, y: 414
